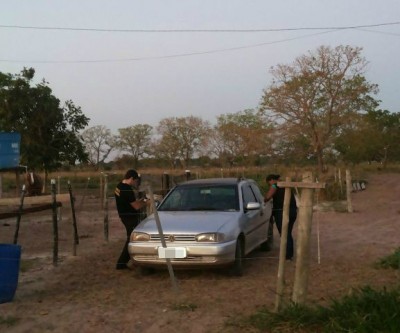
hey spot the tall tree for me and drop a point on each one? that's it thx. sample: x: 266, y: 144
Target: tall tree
x: 99, y: 142
x: 318, y: 94
x: 244, y: 134
x: 49, y: 131
x: 374, y: 137
x: 181, y: 138
x: 135, y: 140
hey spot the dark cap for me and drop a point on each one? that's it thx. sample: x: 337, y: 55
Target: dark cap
x: 131, y: 173
x: 272, y: 176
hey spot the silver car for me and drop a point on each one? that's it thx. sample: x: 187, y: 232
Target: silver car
x: 205, y: 223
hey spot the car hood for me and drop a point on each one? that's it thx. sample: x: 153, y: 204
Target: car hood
x: 188, y: 222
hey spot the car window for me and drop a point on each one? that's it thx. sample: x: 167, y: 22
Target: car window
x: 202, y: 197
x: 248, y: 195
x: 257, y: 192
x: 174, y: 200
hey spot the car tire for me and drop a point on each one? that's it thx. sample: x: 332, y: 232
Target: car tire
x: 237, y: 267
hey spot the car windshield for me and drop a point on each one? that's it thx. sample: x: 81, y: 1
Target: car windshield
x: 201, y: 197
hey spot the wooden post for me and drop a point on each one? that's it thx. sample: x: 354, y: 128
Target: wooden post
x: 163, y: 243
x: 74, y: 225
x: 86, y: 191
x: 348, y: 191
x: 303, y: 242
x: 105, y: 206
x: 304, y: 231
x: 20, y: 210
x: 18, y: 181
x: 165, y: 183
x: 340, y: 181
x: 282, y: 251
x: 55, y: 223
x: 187, y: 174
x: 101, y: 191
x: 58, y: 192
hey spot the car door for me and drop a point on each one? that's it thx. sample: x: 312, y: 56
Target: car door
x: 266, y: 212
x: 253, y: 219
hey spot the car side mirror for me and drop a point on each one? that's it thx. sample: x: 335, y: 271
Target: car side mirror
x: 253, y: 206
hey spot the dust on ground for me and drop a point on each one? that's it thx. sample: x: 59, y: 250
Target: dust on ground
x: 84, y: 293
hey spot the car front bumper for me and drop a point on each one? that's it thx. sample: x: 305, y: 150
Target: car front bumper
x: 197, y: 255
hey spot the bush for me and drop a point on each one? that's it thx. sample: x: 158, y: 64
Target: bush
x: 365, y: 310
x: 390, y: 261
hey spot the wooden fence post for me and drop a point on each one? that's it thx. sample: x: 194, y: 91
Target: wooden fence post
x: 282, y: 251
x: 74, y: 225
x: 303, y: 242
x: 165, y: 183
x: 101, y: 191
x: 20, y: 211
x: 18, y: 182
x: 105, y: 205
x: 304, y: 232
x: 55, y: 223
x: 349, y: 187
x: 59, y: 192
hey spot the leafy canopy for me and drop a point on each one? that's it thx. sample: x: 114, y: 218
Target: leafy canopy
x: 49, y: 130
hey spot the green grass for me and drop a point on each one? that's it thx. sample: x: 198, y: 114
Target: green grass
x: 8, y: 321
x: 390, y: 261
x: 184, y: 307
x: 364, y: 311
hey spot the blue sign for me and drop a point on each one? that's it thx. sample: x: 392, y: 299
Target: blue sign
x: 9, y: 150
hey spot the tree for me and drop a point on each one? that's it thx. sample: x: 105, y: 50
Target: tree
x: 318, y: 94
x: 245, y: 134
x: 136, y: 140
x: 99, y: 142
x: 181, y: 138
x: 374, y: 137
x: 49, y: 131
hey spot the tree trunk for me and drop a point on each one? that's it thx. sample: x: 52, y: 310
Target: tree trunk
x: 320, y: 159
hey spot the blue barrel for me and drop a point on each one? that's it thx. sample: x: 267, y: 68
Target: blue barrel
x: 10, y: 256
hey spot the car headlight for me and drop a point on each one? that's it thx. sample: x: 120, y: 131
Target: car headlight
x: 140, y: 237
x: 209, y: 237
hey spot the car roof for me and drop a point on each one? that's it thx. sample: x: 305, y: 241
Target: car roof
x: 213, y: 181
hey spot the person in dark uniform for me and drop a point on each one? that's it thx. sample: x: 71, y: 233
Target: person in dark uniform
x: 129, y: 210
x: 277, y: 195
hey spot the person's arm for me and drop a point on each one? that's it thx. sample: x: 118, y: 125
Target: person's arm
x: 139, y: 204
x: 272, y: 190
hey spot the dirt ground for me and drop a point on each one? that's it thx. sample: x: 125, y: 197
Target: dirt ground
x: 84, y: 293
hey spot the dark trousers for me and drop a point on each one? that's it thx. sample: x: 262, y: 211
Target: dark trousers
x: 278, y: 216
x: 130, y: 223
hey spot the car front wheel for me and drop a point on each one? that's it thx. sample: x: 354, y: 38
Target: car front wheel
x: 237, y: 268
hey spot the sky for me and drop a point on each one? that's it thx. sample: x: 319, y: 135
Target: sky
x: 129, y: 62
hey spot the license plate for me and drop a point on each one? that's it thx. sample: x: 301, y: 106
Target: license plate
x: 171, y: 252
